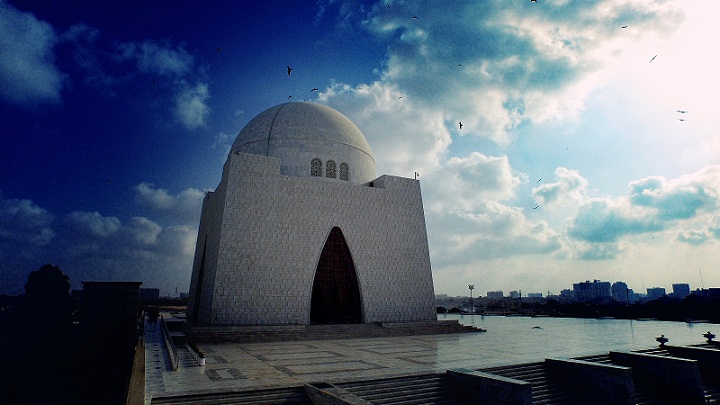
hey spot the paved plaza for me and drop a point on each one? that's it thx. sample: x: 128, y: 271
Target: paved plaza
x: 247, y: 366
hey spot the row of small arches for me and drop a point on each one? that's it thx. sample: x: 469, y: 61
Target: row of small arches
x: 316, y: 169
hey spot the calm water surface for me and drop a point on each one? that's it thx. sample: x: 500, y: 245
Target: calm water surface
x: 525, y: 339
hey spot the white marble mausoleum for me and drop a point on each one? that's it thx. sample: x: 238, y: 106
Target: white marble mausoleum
x: 301, y: 231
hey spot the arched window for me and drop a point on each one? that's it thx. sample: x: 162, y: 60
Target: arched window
x: 316, y: 167
x: 330, y: 169
x: 344, y: 171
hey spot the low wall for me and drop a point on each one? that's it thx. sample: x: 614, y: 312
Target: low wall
x: 709, y: 359
x: 322, y: 393
x: 677, y: 380
x: 475, y: 387
x: 596, y: 383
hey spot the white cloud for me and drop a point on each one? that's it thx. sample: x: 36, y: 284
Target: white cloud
x: 570, y: 188
x: 191, y: 107
x: 680, y: 198
x: 408, y: 137
x: 183, y: 208
x: 143, y: 231
x: 694, y: 238
x: 93, y: 224
x: 499, y: 66
x: 24, y: 222
x: 490, y: 231
x: 466, y: 182
x: 28, y: 74
x: 653, y: 204
x: 158, y: 58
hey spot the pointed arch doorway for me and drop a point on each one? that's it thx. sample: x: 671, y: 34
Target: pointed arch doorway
x: 335, y: 293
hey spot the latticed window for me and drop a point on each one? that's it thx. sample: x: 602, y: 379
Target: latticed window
x: 330, y: 169
x: 344, y: 171
x: 316, y: 167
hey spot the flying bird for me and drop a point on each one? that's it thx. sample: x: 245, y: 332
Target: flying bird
x: 314, y: 89
x: 681, y: 119
x: 653, y: 58
x: 289, y: 70
x: 289, y: 97
x: 624, y: 26
x: 399, y: 97
x: 414, y: 17
x: 533, y: 1
x: 682, y: 111
x: 539, y: 179
x: 388, y: 7
x: 217, y: 49
x: 536, y: 207
x: 460, y: 124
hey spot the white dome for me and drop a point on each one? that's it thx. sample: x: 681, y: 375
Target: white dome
x: 298, y: 133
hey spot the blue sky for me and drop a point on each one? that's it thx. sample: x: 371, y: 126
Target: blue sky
x: 572, y: 163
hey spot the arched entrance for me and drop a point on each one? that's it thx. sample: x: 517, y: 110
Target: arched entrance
x: 335, y: 293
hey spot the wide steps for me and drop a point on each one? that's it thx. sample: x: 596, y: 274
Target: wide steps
x: 545, y: 389
x: 427, y: 389
x: 292, y: 396
x: 322, y: 332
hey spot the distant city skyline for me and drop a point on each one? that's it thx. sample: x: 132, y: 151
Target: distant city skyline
x: 589, y: 146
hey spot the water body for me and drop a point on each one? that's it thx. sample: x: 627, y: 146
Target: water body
x: 524, y: 339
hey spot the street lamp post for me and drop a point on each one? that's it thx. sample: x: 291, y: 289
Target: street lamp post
x: 472, y: 308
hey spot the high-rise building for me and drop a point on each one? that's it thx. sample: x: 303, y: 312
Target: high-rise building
x: 494, y: 294
x: 620, y: 292
x: 595, y: 291
x: 654, y: 293
x: 681, y: 290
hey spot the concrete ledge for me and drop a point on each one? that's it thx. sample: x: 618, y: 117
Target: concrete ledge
x: 598, y: 383
x: 472, y: 387
x: 706, y: 356
x: 675, y: 379
x: 709, y: 359
x: 322, y: 393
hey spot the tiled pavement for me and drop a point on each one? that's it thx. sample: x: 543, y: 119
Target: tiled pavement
x: 245, y: 366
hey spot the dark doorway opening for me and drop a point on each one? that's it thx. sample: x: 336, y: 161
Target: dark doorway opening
x: 335, y: 293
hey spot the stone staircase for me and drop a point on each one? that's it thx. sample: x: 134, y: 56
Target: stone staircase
x: 413, y: 390
x: 286, y: 396
x: 284, y: 333
x: 545, y: 388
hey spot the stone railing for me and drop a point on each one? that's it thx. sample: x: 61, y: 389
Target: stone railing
x: 174, y: 357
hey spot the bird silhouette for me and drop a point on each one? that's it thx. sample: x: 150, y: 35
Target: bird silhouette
x: 653, y: 58
x: 536, y: 207
x: 289, y: 97
x: 414, y: 17
x: 289, y: 70
x: 539, y: 179
x: 399, y: 97
x: 460, y: 124
x: 624, y: 26
x: 533, y: 1
x: 682, y: 111
x: 314, y: 89
x: 681, y: 119
x: 217, y: 49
